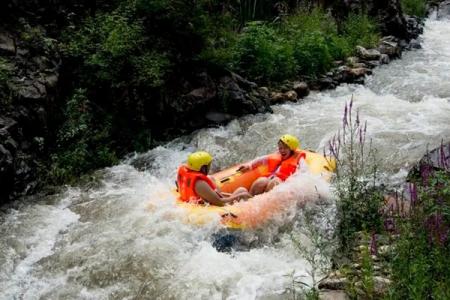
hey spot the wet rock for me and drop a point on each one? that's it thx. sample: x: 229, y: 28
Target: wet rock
x: 51, y: 80
x: 219, y: 117
x: 359, y: 72
x: 200, y: 95
x: 333, y: 283
x: 324, y: 84
x: 352, y: 61
x: 7, y: 44
x: 333, y: 295
x: 359, y: 65
x: 291, y: 96
x: 389, y: 45
x: 381, y: 285
x: 373, y: 64
x: 6, y: 174
x: 436, y: 159
x: 414, y: 44
x: 29, y: 89
x: 368, y: 54
x: 384, y: 59
x: 351, y: 75
x: 301, y: 88
x: 264, y: 91
x: 279, y: 97
x: 414, y: 26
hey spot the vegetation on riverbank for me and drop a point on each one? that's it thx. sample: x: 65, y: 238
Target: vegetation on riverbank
x: 132, y: 52
x: 407, y: 235
x: 131, y: 71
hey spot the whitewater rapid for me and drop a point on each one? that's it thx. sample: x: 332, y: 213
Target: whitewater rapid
x: 121, y: 235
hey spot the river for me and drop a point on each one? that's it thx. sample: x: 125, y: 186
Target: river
x: 120, y: 236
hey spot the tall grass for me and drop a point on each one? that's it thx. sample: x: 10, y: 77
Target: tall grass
x: 359, y: 195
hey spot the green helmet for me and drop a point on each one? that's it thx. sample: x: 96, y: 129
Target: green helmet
x: 290, y: 141
x: 198, y: 159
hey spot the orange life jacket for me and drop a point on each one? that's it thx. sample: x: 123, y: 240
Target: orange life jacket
x: 288, y: 166
x: 269, y: 164
x: 186, y: 184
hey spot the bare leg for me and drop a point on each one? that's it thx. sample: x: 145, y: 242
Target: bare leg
x: 273, y: 183
x: 259, y: 186
x: 241, y: 193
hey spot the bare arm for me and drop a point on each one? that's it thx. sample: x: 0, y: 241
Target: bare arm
x: 212, y: 197
x: 208, y: 194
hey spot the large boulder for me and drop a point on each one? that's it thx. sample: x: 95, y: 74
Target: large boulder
x: 388, y: 13
x: 437, y: 159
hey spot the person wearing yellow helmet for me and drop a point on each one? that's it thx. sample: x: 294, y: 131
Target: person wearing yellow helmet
x: 280, y: 165
x: 194, y: 185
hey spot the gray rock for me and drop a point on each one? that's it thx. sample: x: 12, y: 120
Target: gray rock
x: 333, y: 283
x: 390, y: 47
x: 352, y: 60
x: 368, y: 54
x: 384, y: 59
x: 381, y: 284
x: 51, y: 80
x: 333, y: 295
x: 7, y: 44
x: 415, y: 44
x: 301, y: 88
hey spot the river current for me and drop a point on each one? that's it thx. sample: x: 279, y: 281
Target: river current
x: 121, y: 236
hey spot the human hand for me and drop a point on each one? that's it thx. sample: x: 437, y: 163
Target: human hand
x: 243, y: 168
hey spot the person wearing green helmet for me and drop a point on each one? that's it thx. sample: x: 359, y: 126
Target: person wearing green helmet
x: 280, y: 165
x: 194, y: 185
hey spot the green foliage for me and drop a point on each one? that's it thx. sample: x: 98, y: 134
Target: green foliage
x: 312, y: 53
x: 305, y: 43
x: 104, y: 45
x: 420, y: 266
x: 414, y: 7
x: 264, y: 54
x: 315, y: 39
x: 82, y: 141
x: 367, y: 273
x: 359, y: 29
x: 151, y: 68
x: 359, y: 197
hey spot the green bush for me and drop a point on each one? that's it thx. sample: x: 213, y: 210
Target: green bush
x: 151, y: 68
x: 104, y: 44
x: 263, y: 54
x: 83, y: 141
x: 312, y: 54
x: 359, y: 29
x: 414, y: 7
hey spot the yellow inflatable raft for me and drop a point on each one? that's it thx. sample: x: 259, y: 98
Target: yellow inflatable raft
x: 254, y: 212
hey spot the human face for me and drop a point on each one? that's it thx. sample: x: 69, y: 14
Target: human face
x: 284, y: 150
x: 205, y: 169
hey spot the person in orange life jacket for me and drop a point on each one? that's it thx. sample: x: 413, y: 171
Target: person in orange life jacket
x: 195, y: 186
x: 280, y: 165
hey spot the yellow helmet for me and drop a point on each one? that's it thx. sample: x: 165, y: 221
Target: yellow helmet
x: 290, y: 141
x: 198, y: 159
